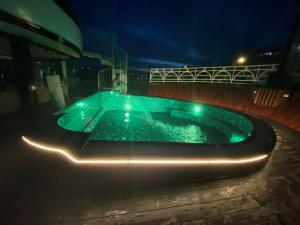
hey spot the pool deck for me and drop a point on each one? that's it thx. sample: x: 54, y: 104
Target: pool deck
x: 45, y: 189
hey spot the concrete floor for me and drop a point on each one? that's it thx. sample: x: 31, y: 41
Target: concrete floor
x: 38, y: 188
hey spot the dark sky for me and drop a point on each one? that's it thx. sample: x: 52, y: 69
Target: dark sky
x: 157, y: 33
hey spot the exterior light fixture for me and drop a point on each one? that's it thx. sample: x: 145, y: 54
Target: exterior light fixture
x: 286, y: 95
x: 241, y: 60
x: 33, y: 87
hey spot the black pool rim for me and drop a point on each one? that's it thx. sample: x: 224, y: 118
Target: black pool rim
x: 260, y: 143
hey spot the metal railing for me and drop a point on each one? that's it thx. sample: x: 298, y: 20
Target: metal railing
x: 104, y: 79
x: 111, y: 53
x: 250, y: 74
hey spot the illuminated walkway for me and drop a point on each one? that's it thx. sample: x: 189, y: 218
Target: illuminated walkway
x: 46, y: 190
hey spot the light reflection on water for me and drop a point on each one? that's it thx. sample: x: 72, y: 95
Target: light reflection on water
x: 117, y: 117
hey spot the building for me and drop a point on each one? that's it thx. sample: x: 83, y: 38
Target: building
x: 29, y: 36
x: 41, y: 52
x: 292, y: 65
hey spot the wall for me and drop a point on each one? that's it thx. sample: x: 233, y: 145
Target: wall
x: 9, y: 101
x: 43, y: 95
x: 234, y: 97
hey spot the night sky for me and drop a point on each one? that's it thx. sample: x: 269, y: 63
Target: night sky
x: 186, y: 32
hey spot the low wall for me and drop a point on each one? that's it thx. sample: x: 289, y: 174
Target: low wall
x: 10, y: 100
x: 235, y: 97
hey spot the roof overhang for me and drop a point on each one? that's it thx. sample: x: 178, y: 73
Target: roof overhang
x: 45, y: 25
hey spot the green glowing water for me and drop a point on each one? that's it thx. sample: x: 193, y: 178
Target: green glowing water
x: 110, y: 116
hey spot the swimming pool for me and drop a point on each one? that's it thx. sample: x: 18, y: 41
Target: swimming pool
x: 112, y: 128
x: 110, y: 116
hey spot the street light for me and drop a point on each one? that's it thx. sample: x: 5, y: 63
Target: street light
x: 241, y: 60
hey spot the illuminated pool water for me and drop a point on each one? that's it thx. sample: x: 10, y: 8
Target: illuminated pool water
x: 110, y: 116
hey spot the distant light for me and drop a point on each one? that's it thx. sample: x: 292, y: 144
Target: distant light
x: 126, y: 120
x: 266, y: 53
x: 111, y: 92
x: 197, y: 109
x: 286, y: 95
x: 80, y: 104
x: 254, y: 92
x: 127, y: 114
x: 241, y: 60
x: 127, y: 106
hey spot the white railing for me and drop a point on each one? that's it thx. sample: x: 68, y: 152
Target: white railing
x: 250, y: 74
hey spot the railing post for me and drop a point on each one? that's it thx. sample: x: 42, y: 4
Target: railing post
x: 233, y: 74
x: 98, y: 80
x: 257, y: 74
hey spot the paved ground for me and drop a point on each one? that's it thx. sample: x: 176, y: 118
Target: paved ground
x: 37, y: 188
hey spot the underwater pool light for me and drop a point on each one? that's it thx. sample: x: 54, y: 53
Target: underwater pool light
x: 127, y: 106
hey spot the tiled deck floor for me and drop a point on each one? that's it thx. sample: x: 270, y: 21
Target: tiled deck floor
x: 42, y: 189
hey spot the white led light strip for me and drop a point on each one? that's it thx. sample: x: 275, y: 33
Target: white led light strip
x: 141, y: 161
